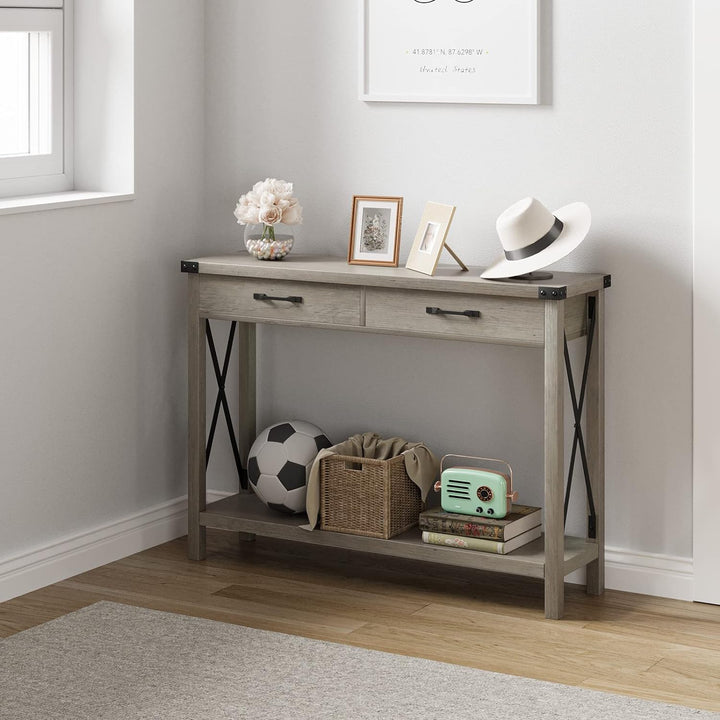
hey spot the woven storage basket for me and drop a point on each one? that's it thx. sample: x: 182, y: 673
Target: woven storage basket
x: 365, y: 496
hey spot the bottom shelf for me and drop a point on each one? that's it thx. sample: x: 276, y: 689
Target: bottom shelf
x: 245, y: 513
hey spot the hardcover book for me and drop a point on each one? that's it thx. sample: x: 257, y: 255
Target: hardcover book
x: 520, y: 520
x: 482, y: 544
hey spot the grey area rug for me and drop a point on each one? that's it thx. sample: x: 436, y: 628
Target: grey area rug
x: 116, y: 662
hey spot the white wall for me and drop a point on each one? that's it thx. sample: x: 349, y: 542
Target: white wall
x: 614, y: 131
x: 92, y: 388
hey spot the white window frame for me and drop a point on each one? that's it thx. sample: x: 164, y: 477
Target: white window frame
x: 52, y: 172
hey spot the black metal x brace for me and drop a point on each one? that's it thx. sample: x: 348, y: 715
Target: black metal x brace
x: 221, y: 377
x: 578, y: 440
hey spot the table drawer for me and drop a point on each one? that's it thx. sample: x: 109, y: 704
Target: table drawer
x: 514, y: 321
x: 279, y: 301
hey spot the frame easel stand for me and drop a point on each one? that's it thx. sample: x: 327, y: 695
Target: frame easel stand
x: 462, y: 265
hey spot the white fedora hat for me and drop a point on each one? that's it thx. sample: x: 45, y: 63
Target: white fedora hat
x: 533, y: 237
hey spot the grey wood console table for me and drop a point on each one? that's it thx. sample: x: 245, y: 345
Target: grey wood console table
x: 324, y: 292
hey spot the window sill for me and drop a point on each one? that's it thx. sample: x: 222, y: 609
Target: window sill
x: 55, y: 201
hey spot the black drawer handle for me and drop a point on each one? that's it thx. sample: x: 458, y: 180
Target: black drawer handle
x: 466, y: 313
x: 290, y: 298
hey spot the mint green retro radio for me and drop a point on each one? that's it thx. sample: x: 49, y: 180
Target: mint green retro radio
x: 476, y: 490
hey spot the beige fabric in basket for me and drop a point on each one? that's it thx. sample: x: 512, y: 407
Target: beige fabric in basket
x: 420, y: 464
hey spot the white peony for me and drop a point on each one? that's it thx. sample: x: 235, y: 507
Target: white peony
x: 252, y: 198
x: 268, y: 198
x: 282, y: 189
x: 292, y: 215
x: 246, y: 213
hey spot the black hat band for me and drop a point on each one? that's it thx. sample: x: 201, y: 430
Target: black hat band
x: 539, y: 245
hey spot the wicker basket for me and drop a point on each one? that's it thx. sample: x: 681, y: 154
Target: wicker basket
x: 365, y: 496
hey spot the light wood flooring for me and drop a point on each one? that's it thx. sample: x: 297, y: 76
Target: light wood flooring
x: 623, y: 643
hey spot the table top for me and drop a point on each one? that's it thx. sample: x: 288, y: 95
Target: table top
x: 336, y: 270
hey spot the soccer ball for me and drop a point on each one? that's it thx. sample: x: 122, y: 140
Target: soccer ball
x: 279, y: 463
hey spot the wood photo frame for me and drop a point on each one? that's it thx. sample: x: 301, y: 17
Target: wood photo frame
x: 375, y: 230
x: 430, y: 238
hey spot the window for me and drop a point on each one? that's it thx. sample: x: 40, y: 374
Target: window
x: 79, y: 56
x: 34, y: 103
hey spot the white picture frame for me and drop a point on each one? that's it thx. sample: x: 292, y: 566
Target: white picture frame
x: 430, y: 238
x: 449, y: 51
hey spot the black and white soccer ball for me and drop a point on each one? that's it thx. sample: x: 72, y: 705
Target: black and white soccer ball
x: 279, y: 463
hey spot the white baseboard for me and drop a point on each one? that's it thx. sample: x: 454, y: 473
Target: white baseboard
x: 79, y: 553
x: 645, y: 573
x: 637, y: 572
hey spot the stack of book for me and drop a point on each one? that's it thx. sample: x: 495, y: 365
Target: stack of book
x: 485, y: 534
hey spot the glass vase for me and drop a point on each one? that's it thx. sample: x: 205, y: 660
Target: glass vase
x: 269, y: 242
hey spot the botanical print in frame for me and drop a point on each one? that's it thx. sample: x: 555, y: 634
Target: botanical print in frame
x: 375, y: 230
x: 430, y: 238
x: 455, y: 51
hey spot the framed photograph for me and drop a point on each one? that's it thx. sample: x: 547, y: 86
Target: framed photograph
x: 375, y: 230
x: 430, y: 238
x: 455, y: 51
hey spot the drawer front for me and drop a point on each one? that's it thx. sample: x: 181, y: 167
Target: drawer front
x: 515, y: 321
x: 278, y: 301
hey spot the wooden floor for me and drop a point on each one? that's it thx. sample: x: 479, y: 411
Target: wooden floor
x: 630, y: 644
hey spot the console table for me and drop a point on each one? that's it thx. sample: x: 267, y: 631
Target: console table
x: 326, y: 292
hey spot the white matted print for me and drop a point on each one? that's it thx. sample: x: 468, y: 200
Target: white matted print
x: 461, y: 51
x: 375, y: 230
x: 430, y: 238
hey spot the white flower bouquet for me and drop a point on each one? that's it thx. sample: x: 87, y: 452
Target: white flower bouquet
x: 269, y: 202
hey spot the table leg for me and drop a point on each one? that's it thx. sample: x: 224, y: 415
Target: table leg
x: 247, y: 423
x: 196, y: 423
x: 595, y: 423
x: 554, y: 459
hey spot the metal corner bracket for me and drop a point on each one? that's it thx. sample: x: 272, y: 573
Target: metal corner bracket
x: 552, y: 293
x: 189, y: 266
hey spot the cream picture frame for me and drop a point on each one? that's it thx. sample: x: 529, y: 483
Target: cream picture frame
x: 430, y: 238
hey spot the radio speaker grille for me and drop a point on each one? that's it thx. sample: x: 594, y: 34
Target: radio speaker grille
x: 459, y: 489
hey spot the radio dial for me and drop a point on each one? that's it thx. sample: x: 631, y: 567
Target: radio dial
x: 485, y: 493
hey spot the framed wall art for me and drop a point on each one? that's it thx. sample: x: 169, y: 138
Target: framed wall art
x: 375, y: 230
x: 455, y: 51
x: 430, y: 239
